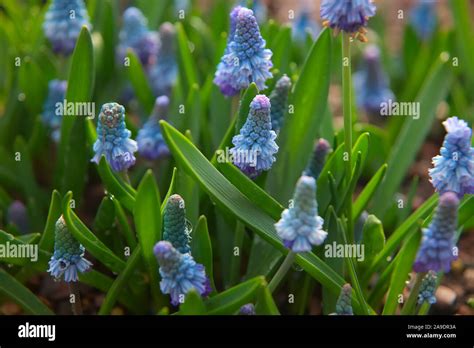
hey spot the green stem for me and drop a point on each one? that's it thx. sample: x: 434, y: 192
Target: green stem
x: 347, y: 111
x: 76, y: 305
x: 124, y: 175
x: 409, y: 306
x: 280, y: 274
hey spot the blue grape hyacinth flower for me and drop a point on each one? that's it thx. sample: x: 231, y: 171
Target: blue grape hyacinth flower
x: 113, y: 138
x: 350, y: 16
x: 318, y: 158
x: 255, y: 146
x: 344, y: 302
x: 179, y: 273
x: 303, y: 25
x: 300, y: 226
x: 371, y: 83
x: 428, y: 288
x: 49, y: 116
x: 437, y: 249
x: 175, y: 226
x: 423, y: 18
x: 164, y: 73
x: 17, y: 215
x: 136, y: 36
x: 246, y: 59
x: 68, y: 256
x: 150, y: 141
x: 247, y: 309
x: 279, y: 102
x: 454, y: 168
x: 63, y: 22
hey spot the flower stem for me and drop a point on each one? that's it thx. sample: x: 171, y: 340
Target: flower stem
x: 76, y: 305
x: 347, y: 111
x: 410, y: 305
x: 124, y: 174
x: 280, y: 274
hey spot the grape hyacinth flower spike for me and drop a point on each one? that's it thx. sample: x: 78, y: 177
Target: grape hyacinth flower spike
x: 49, y: 117
x: 63, y: 22
x: 279, y: 102
x: 179, y: 273
x: 164, y: 72
x: 300, y: 227
x: 255, y: 146
x: 246, y: 59
x: 68, y: 257
x: 423, y: 18
x: 437, y: 249
x: 113, y: 138
x: 371, y: 83
x: 247, y: 309
x: 454, y: 167
x: 350, y: 16
x: 136, y: 36
x: 151, y: 144
x: 428, y: 288
x: 318, y: 158
x: 344, y: 302
x: 175, y: 226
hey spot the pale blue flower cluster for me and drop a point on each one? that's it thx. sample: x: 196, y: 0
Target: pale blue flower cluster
x: 245, y: 59
x: 68, y: 257
x: 151, y: 143
x: 344, y: 302
x: 279, y: 102
x: 136, y: 36
x: 428, y: 288
x: 350, y: 16
x: 318, y: 158
x: 63, y: 22
x: 454, y: 167
x: 371, y: 82
x: 56, y: 94
x: 255, y: 146
x: 303, y: 26
x: 175, y: 227
x: 423, y: 18
x: 300, y: 226
x: 437, y: 249
x: 113, y: 138
x: 164, y: 73
x: 179, y: 273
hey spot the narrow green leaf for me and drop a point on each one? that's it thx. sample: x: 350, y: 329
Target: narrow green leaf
x: 265, y: 303
x: 186, y: 62
x: 47, y: 238
x: 368, y: 192
x: 193, y: 304
x: 373, y: 239
x: 201, y: 248
x: 22, y: 295
x: 141, y: 86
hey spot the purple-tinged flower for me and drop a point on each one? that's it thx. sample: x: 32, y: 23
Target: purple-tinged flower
x: 49, y: 116
x: 350, y: 16
x: 259, y: 9
x: 255, y: 146
x: 437, y: 249
x: 136, y: 36
x: 247, y: 309
x: 344, y: 302
x: 279, y: 102
x: 113, y: 138
x: 300, y: 226
x: 68, y: 257
x: 246, y: 59
x: 17, y: 215
x: 303, y: 26
x: 63, y: 22
x: 454, y: 167
x: 164, y: 72
x: 423, y: 18
x: 318, y: 158
x: 151, y: 143
x: 371, y: 83
x: 175, y: 226
x: 179, y: 273
x: 428, y: 288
